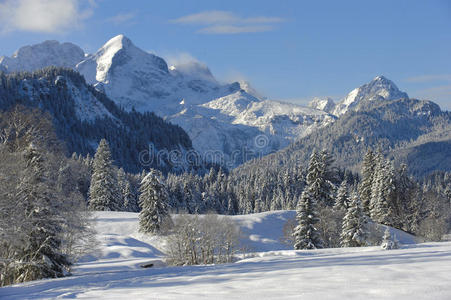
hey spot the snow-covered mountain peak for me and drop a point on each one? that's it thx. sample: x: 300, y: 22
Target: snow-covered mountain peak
x: 38, y: 56
x: 118, y: 42
x: 380, y: 88
x: 119, y: 52
x: 326, y: 104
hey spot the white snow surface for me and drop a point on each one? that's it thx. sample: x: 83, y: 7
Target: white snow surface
x: 417, y: 271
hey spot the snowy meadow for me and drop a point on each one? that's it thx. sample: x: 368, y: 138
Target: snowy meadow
x: 269, y: 271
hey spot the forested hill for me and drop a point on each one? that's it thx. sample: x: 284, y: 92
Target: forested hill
x: 82, y: 116
x: 411, y: 131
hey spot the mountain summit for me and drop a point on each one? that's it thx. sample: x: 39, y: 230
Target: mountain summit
x: 379, y: 89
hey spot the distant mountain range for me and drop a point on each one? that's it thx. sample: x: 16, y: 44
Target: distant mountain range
x: 235, y: 120
x: 226, y: 118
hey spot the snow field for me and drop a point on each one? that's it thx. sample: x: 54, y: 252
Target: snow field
x: 417, y: 271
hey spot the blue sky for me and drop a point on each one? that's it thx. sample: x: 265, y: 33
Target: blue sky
x: 288, y: 50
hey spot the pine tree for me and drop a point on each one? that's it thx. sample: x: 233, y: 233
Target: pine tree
x: 382, y: 193
x: 306, y: 236
x: 354, y: 228
x: 342, y: 198
x: 122, y: 184
x: 368, y: 167
x: 103, y: 192
x: 328, y: 177
x: 129, y: 198
x: 153, y: 201
x: 41, y: 255
x: 314, y: 178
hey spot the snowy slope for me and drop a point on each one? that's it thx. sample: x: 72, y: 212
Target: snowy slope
x: 417, y: 271
x: 379, y: 89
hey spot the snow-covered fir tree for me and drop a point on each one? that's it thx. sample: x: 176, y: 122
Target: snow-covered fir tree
x: 130, y: 203
x: 382, y: 192
x: 354, y: 228
x: 366, y: 184
x: 306, y: 236
x: 319, y: 178
x: 342, y: 198
x: 153, y: 200
x: 104, y: 193
x: 41, y: 256
x: 122, y: 183
x: 329, y: 177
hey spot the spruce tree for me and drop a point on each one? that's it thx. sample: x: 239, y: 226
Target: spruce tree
x: 153, y: 201
x: 354, y: 228
x: 104, y: 193
x: 314, y: 178
x: 41, y: 256
x: 368, y: 167
x: 328, y: 174
x: 382, y: 193
x: 342, y: 198
x: 122, y: 185
x: 306, y: 236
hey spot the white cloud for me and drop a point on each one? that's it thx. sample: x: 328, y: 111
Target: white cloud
x: 233, y: 29
x: 180, y: 58
x: 225, y: 22
x: 48, y: 16
x: 121, y: 18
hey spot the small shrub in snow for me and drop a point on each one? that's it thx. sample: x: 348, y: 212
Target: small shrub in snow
x: 389, y: 243
x: 202, y: 240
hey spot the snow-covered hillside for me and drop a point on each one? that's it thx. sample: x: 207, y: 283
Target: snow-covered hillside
x: 417, y: 271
